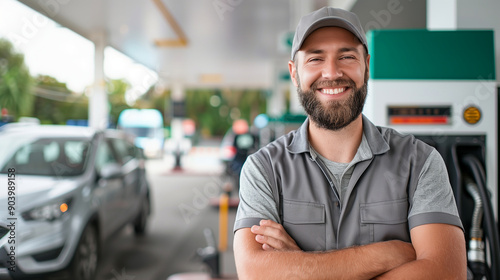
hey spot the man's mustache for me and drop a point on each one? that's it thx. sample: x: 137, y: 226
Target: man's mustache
x: 333, y: 83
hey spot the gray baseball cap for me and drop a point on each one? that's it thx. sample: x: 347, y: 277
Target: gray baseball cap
x: 326, y: 17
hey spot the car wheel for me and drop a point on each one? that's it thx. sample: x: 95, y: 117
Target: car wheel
x: 142, y: 218
x: 84, y: 264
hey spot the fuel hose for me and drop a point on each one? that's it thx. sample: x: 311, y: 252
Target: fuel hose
x: 491, y: 231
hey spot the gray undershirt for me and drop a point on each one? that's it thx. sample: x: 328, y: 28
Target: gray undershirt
x: 341, y: 173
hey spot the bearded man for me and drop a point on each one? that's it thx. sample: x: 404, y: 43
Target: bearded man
x: 340, y: 197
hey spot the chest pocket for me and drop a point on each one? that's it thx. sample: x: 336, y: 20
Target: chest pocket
x: 382, y: 221
x: 305, y: 223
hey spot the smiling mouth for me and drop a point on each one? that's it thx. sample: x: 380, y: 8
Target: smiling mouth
x: 333, y: 91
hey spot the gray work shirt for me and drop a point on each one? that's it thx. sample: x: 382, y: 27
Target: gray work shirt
x: 396, y: 183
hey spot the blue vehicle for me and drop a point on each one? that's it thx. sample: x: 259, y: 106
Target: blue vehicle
x: 147, y: 126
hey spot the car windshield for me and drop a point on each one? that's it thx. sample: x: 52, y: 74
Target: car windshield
x: 45, y: 156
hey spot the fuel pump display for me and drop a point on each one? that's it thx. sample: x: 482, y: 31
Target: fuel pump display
x: 399, y: 115
x: 428, y: 84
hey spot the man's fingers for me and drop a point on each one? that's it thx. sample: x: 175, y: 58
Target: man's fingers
x: 266, y: 247
x: 270, y: 231
x: 273, y: 236
x: 269, y: 243
x: 270, y: 223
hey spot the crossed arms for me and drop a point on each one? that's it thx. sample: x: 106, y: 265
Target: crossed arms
x: 437, y: 251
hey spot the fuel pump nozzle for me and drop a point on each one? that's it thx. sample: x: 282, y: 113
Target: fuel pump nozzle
x: 476, y: 251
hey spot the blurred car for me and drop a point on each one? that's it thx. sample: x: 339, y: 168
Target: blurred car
x: 147, y: 126
x: 234, y: 150
x: 74, y: 188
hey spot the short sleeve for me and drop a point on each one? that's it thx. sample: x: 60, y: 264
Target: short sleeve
x: 433, y: 200
x: 256, y: 197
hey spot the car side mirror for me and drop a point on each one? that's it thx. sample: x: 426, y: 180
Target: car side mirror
x: 110, y: 171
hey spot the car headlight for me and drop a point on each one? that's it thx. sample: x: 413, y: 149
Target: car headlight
x: 48, y: 212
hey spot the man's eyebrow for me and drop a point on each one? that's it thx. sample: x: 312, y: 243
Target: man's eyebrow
x: 314, y: 51
x: 349, y: 49
x: 341, y: 50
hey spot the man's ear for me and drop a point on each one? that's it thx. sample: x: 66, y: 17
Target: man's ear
x: 293, y: 72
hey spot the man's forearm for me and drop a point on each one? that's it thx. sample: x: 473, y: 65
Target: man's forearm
x: 424, y: 269
x: 363, y: 262
x: 437, y: 258
x: 418, y: 269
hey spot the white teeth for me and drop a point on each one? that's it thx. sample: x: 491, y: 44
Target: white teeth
x: 332, y: 90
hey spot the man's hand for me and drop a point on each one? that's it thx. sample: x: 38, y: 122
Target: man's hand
x: 273, y: 236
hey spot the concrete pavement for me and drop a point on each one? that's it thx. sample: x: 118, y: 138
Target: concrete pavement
x: 181, y: 210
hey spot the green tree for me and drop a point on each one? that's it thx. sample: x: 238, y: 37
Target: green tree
x: 15, y: 81
x: 55, y: 103
x: 116, y: 90
x: 215, y: 119
x: 207, y: 117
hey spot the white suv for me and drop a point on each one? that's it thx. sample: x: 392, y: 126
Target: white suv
x: 64, y: 191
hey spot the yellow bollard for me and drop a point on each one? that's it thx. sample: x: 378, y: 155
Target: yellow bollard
x: 223, y: 212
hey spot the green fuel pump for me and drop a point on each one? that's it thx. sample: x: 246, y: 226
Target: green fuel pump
x: 428, y: 83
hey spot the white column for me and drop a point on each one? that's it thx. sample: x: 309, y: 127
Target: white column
x: 98, y: 100
x: 441, y: 14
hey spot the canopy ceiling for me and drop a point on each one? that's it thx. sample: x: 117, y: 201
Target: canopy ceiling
x: 204, y: 42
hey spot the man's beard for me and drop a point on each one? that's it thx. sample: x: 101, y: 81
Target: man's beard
x: 335, y: 114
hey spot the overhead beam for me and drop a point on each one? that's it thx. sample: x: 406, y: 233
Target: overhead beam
x: 181, y: 40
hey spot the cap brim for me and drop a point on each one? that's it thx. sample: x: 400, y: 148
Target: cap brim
x: 330, y: 22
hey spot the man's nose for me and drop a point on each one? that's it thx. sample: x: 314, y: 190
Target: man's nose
x: 332, y: 70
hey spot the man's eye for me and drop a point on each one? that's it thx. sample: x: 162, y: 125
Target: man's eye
x: 314, y: 59
x: 348, y: 57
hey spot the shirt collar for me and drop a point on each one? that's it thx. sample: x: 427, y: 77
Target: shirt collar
x: 376, y: 142
x: 300, y: 142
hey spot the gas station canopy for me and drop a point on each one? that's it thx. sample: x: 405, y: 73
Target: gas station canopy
x: 202, y: 43
x: 197, y: 42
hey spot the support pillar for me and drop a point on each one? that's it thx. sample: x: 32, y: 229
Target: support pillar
x: 442, y: 14
x: 98, y: 100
